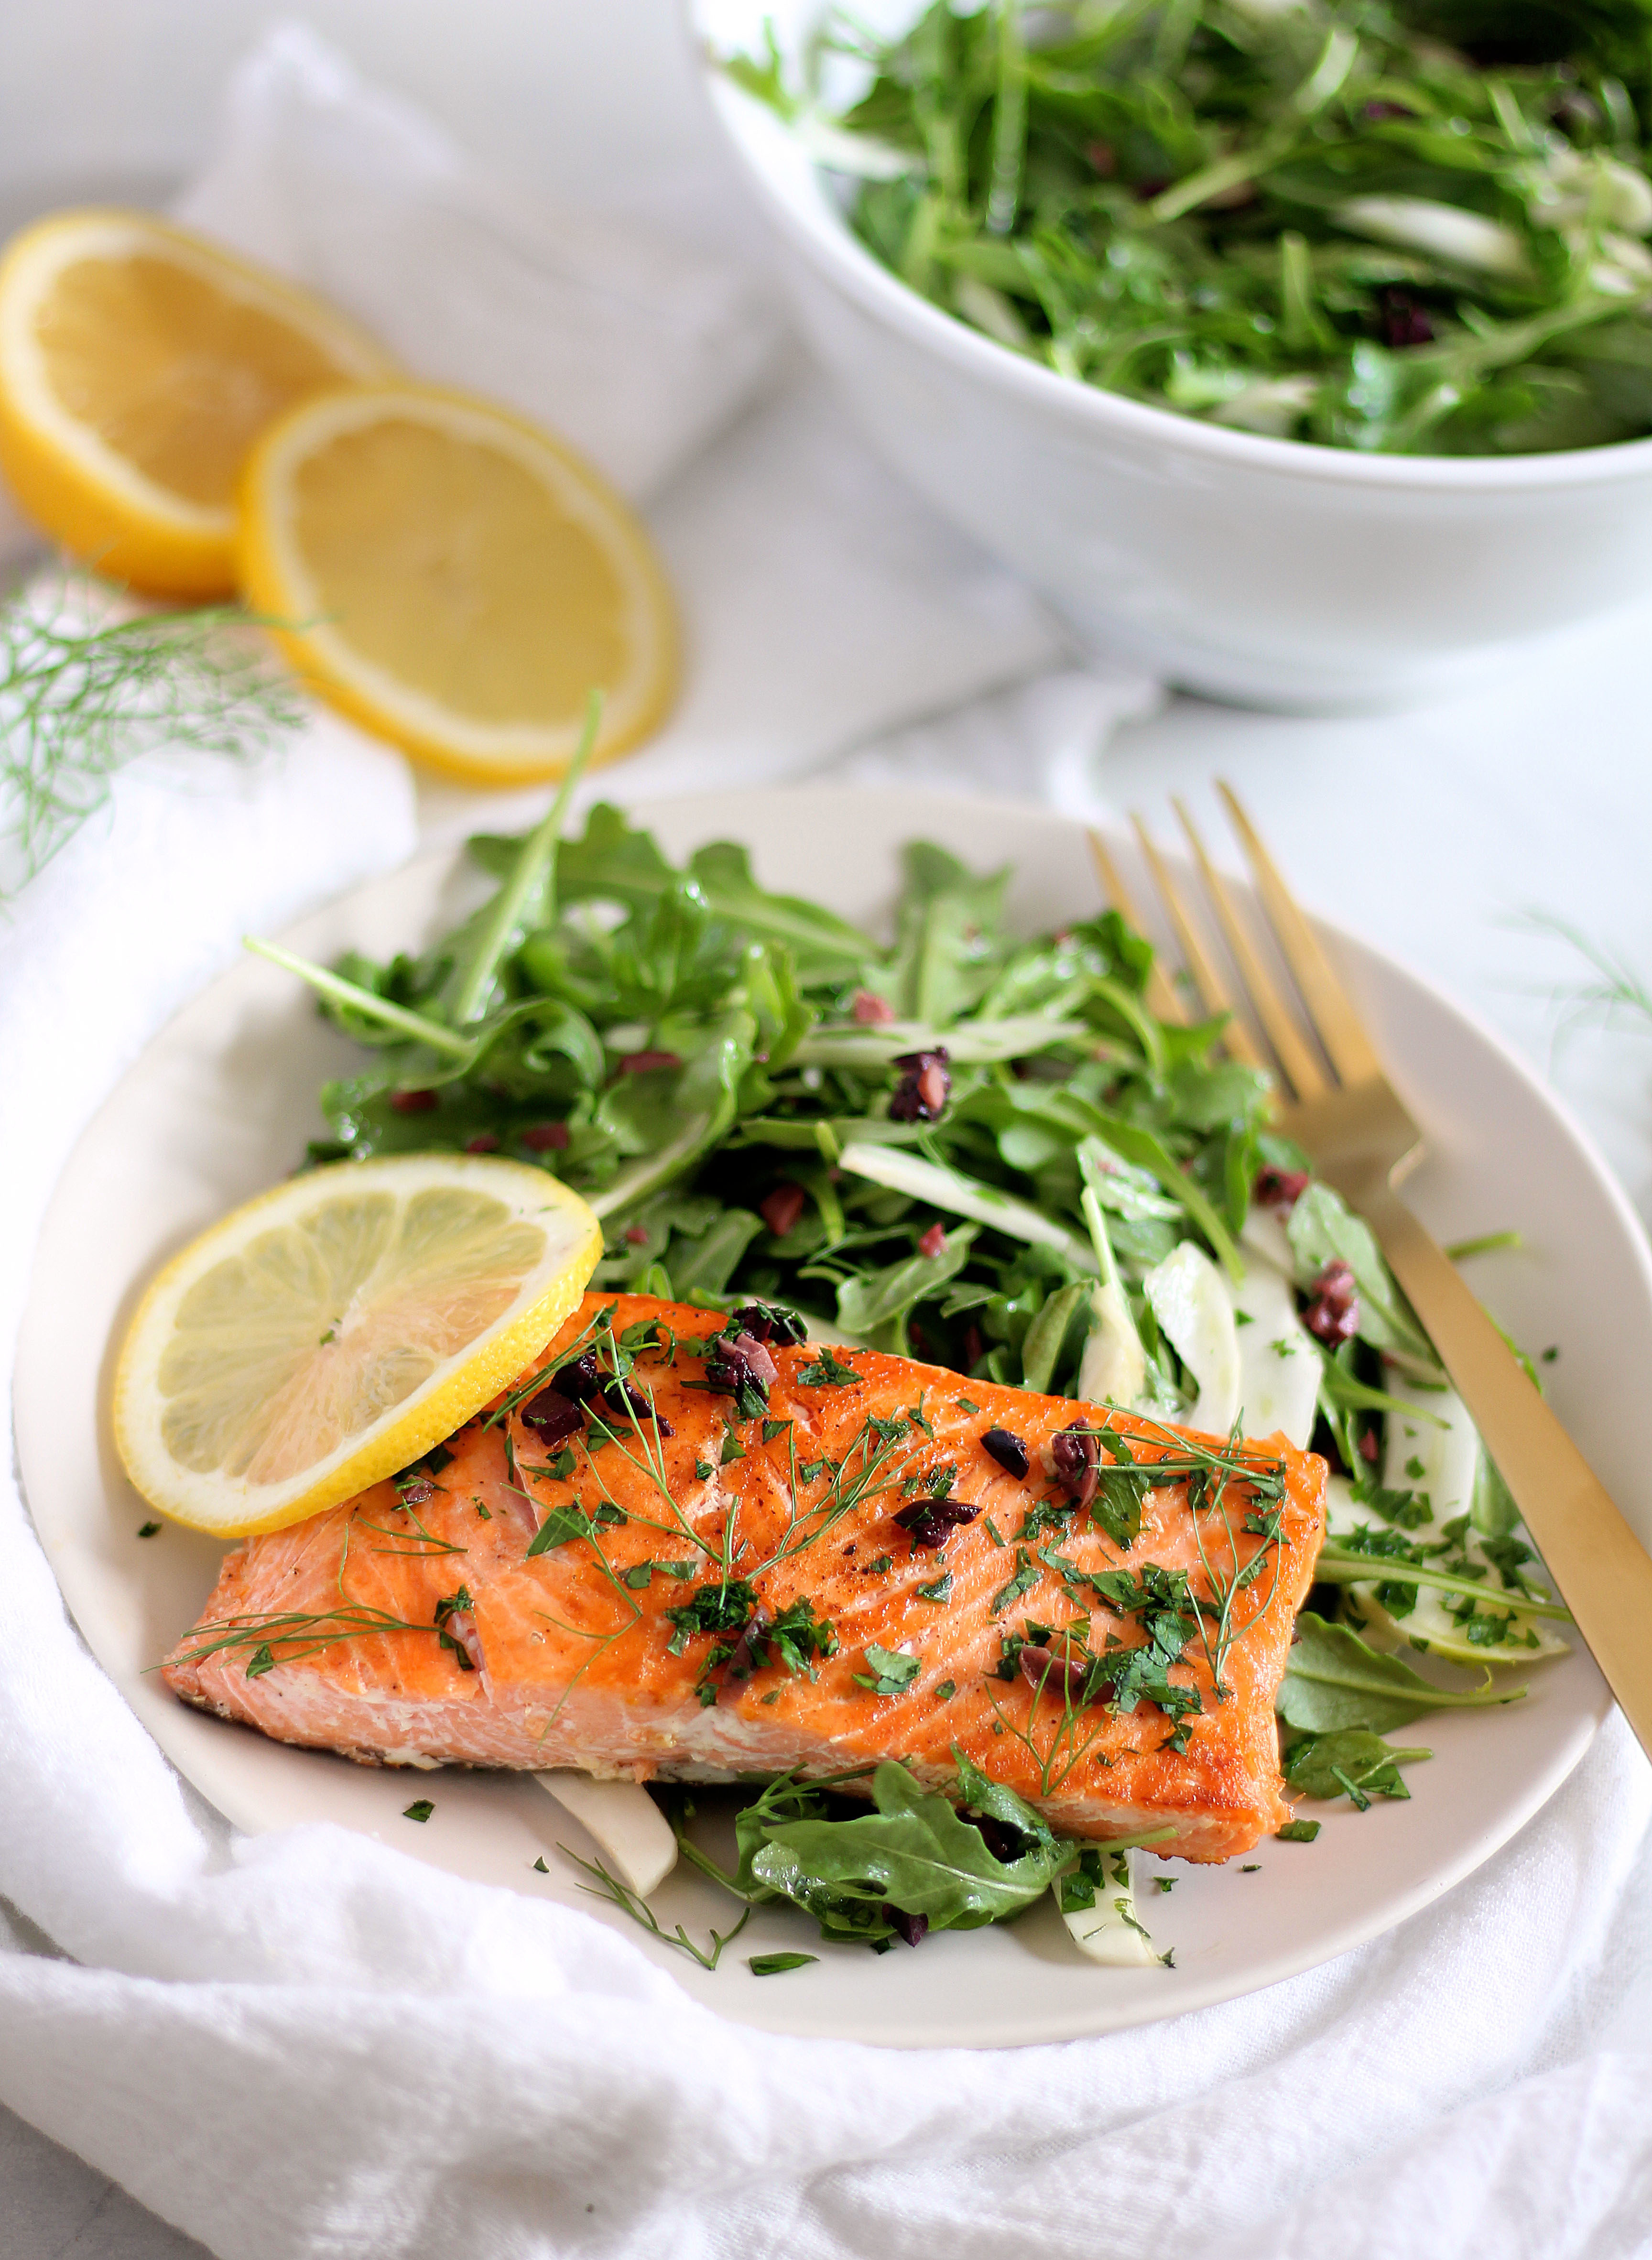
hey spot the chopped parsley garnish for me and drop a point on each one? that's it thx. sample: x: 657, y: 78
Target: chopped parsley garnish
x: 828, y: 1372
x: 451, y: 1606
x: 1023, y: 1580
x: 890, y: 1673
x: 725, y: 1606
x: 797, y: 1636
x: 420, y: 1809
x: 563, y: 1523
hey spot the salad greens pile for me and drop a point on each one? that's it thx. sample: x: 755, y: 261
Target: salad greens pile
x: 1417, y: 227
x: 986, y: 1151
x: 719, y: 1071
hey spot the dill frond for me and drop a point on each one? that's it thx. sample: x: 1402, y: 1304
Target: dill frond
x: 609, y: 1886
x: 1617, y: 988
x: 82, y: 693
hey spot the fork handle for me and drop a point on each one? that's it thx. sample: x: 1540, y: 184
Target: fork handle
x: 1600, y: 1568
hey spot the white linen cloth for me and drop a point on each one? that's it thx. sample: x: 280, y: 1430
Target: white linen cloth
x: 310, y: 2045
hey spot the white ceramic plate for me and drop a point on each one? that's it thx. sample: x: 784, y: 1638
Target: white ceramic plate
x: 220, y: 1105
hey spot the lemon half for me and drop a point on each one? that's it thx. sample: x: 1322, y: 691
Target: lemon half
x: 460, y: 581
x: 336, y: 1328
x: 137, y: 364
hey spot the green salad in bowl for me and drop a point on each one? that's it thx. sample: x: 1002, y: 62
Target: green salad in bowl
x: 1409, y: 229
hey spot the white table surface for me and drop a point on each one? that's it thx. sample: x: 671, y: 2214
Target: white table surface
x: 1433, y: 833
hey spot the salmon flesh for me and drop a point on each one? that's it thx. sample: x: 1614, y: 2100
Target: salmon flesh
x: 751, y: 1556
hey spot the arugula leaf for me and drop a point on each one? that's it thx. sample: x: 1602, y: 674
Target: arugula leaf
x: 823, y: 945
x: 1322, y: 1229
x: 913, y: 1852
x: 876, y: 1305
x: 526, y: 901
x: 1138, y: 1144
x: 1049, y: 1342
x: 1333, y: 1680
x: 1352, y: 1762
x: 946, y: 944
x: 716, y: 1256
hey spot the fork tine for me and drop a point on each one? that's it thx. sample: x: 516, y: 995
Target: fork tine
x: 1301, y: 1069
x: 1163, y: 1000
x: 1336, y: 1022
x: 1212, y: 991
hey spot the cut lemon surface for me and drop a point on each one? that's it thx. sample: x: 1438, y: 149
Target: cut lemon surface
x: 464, y: 581
x: 137, y: 364
x: 337, y: 1328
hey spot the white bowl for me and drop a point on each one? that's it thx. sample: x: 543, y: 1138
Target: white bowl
x: 1262, y: 570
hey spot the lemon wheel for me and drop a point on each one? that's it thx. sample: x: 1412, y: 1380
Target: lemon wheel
x: 137, y: 364
x: 337, y: 1328
x: 460, y: 581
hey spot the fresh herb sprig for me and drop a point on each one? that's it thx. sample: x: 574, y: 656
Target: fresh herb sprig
x: 82, y: 694
x: 272, y: 1636
x: 609, y: 1887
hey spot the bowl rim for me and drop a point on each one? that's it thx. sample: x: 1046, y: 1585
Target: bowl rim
x: 746, y: 124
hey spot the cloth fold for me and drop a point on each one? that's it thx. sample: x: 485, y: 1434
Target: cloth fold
x: 310, y: 2044
x: 637, y: 348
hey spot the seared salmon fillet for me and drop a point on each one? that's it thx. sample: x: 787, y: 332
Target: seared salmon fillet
x: 755, y: 1556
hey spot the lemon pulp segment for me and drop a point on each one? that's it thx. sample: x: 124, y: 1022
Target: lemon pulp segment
x: 450, y: 568
x: 464, y: 579
x: 137, y: 364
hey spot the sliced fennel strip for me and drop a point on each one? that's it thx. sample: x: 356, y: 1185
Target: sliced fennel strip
x: 1110, y: 1929
x: 1190, y: 1301
x: 906, y: 1172
x: 622, y: 1821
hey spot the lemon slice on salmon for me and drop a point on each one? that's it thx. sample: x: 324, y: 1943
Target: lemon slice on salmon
x: 137, y: 364
x: 337, y: 1328
x: 459, y: 581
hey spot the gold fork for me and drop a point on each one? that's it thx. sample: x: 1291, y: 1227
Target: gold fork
x: 1347, y: 1115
